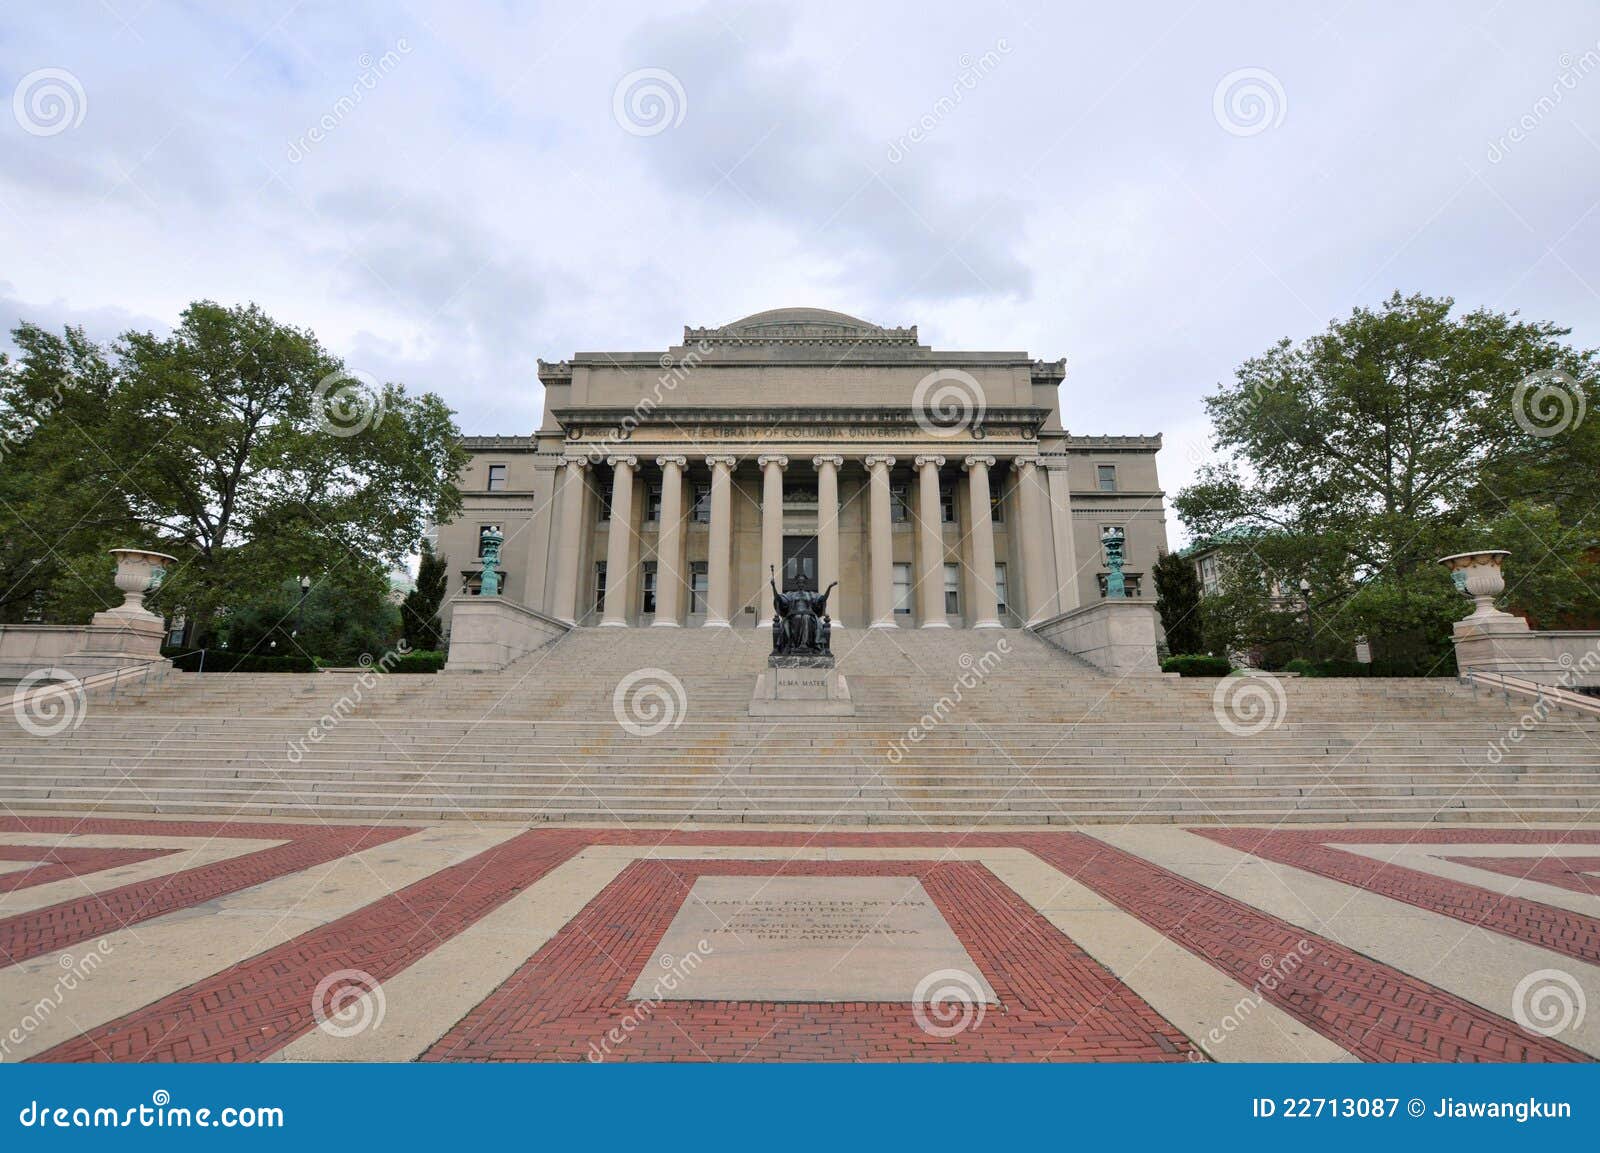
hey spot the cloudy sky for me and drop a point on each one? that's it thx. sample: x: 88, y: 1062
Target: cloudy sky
x: 445, y: 193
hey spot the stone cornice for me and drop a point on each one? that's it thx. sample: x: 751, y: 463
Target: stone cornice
x: 617, y: 423
x: 1112, y: 443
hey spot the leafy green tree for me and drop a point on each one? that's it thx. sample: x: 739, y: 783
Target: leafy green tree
x: 1178, y: 602
x: 236, y: 443
x: 1359, y: 456
x: 419, y: 612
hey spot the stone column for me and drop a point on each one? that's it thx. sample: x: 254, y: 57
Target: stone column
x: 565, y: 607
x: 771, y: 528
x: 828, y: 532
x: 1034, y: 536
x: 982, y: 605
x: 719, y: 564
x: 882, y: 543
x: 930, y: 542
x: 619, y: 542
x: 669, y: 542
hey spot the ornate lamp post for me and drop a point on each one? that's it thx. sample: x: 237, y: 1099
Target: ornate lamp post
x: 1116, y: 587
x: 492, y: 540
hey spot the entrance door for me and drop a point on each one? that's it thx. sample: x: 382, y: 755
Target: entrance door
x: 799, y: 563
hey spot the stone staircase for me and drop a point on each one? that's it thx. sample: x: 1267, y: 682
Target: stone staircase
x: 954, y: 727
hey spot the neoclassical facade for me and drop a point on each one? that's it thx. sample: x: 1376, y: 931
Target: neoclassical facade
x: 939, y: 489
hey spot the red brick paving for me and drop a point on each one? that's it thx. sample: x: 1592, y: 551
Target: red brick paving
x: 1374, y: 1010
x: 1580, y: 874
x: 1056, y: 1002
x: 1548, y: 926
x: 71, y: 922
x: 58, y: 864
x: 258, y: 1006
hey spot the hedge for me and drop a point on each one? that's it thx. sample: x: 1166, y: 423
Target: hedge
x: 1197, y: 665
x: 220, y: 661
x: 421, y: 661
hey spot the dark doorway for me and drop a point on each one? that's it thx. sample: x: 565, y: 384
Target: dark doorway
x: 799, y: 563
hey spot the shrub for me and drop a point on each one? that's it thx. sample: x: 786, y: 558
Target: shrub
x: 1197, y: 665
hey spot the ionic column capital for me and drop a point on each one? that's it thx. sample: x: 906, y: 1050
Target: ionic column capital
x: 678, y: 461
x: 722, y: 461
x: 579, y: 462
x: 972, y: 462
x: 626, y: 461
x: 1026, y: 461
x: 819, y: 461
x: 927, y: 461
x: 873, y: 462
x: 781, y: 461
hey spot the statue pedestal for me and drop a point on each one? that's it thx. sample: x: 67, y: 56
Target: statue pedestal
x: 797, y: 691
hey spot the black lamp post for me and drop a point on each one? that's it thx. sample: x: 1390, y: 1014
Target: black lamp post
x: 300, y: 605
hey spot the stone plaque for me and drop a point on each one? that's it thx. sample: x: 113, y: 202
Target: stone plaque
x: 804, y: 939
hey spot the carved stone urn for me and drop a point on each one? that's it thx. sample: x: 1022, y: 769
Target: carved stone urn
x: 1483, y: 580
x: 138, y: 570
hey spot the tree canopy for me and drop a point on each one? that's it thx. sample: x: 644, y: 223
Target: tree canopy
x: 236, y: 443
x: 1355, y: 458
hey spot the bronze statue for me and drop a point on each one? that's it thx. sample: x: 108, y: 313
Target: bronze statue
x: 800, y: 624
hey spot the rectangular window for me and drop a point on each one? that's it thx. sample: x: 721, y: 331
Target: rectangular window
x: 483, y: 531
x: 1000, y: 595
x: 699, y: 584
x: 1106, y: 477
x: 600, y: 586
x: 1127, y: 549
x: 902, y: 589
x: 997, y: 508
x: 1209, y: 580
x: 702, y: 504
x: 652, y: 503
x: 899, y: 504
x: 947, y: 504
x: 647, y: 589
x: 800, y: 494
x: 497, y: 478
x: 604, y: 493
x: 952, y: 589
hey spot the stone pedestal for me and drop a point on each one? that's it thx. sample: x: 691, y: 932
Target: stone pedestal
x: 488, y: 633
x: 1116, y: 636
x: 793, y: 690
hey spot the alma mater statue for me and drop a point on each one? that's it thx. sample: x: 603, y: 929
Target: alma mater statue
x: 800, y: 624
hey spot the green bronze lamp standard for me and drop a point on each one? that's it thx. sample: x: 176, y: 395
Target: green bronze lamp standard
x: 490, y: 585
x: 1116, y: 588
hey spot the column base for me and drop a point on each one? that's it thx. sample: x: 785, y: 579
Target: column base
x: 884, y: 625
x: 613, y: 624
x: 663, y: 624
x: 716, y: 625
x: 935, y: 624
x: 988, y: 625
